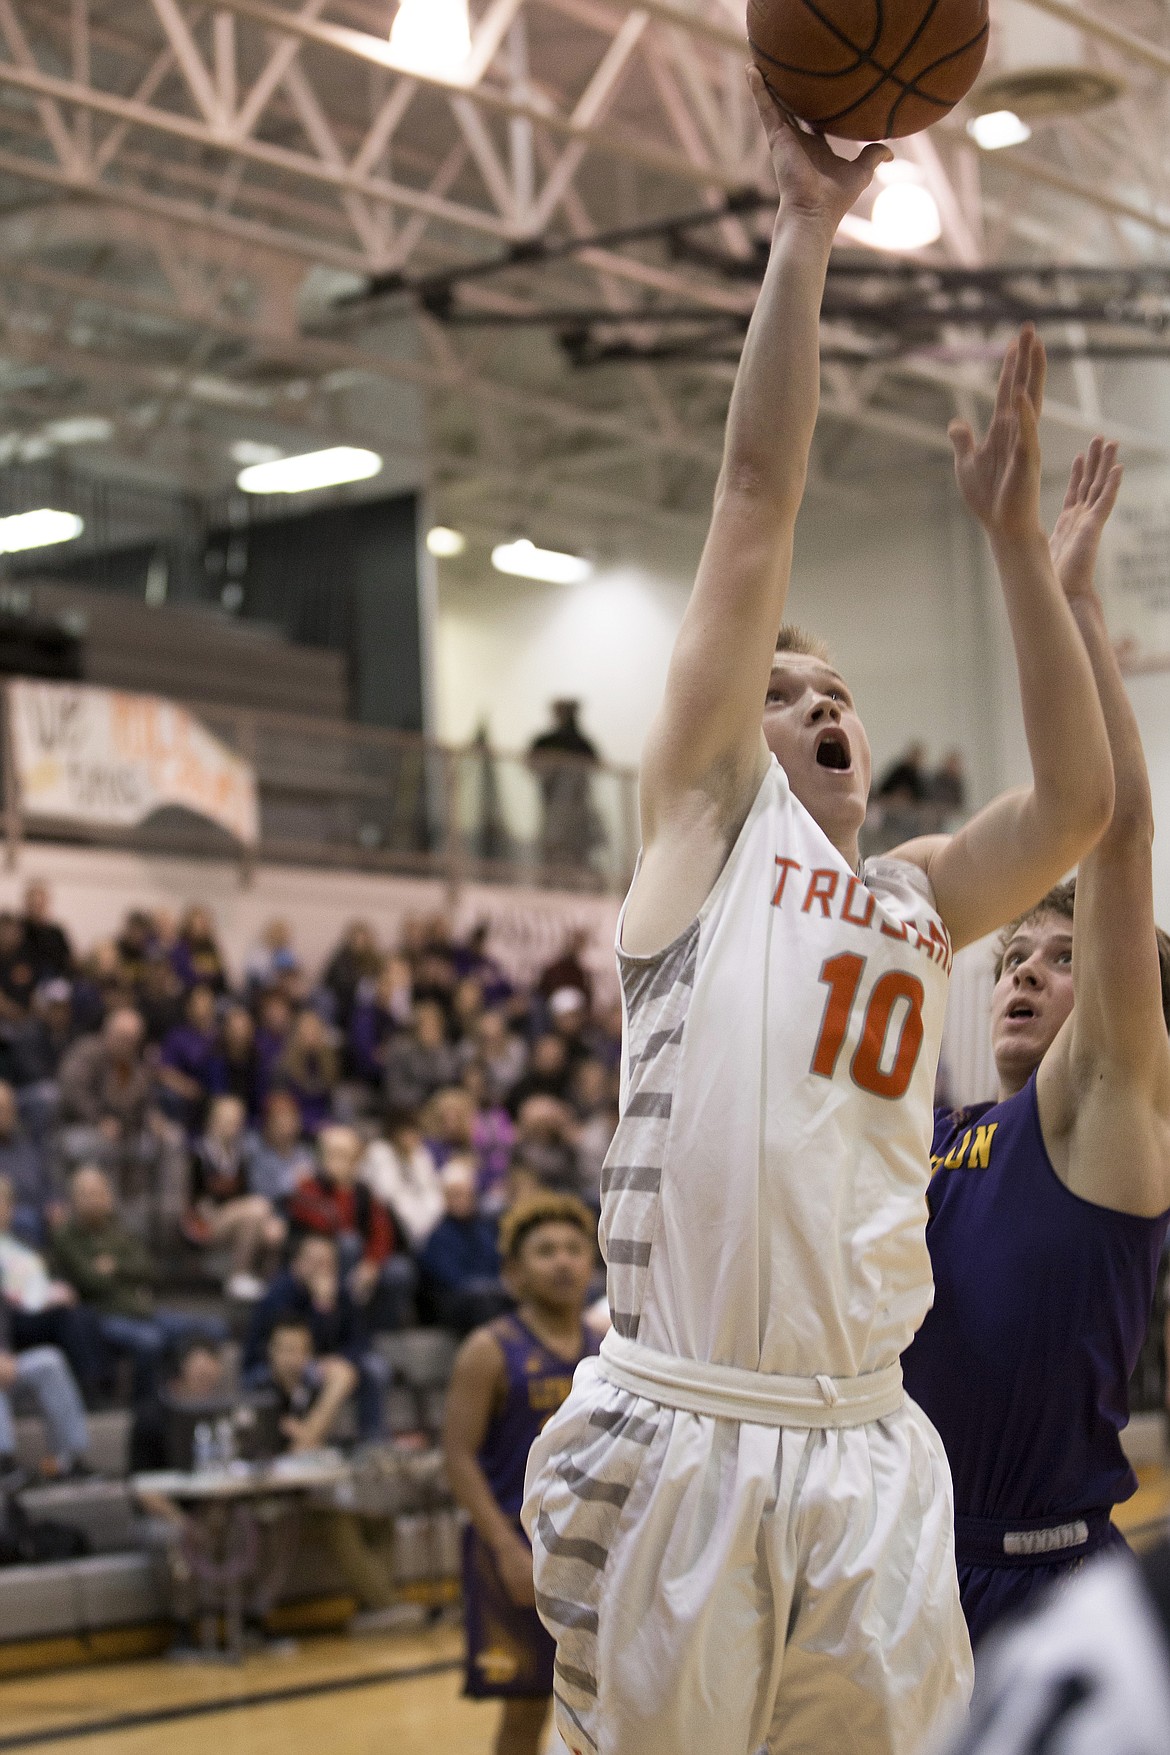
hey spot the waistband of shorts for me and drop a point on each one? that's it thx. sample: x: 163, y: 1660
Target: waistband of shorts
x: 756, y: 1398
x: 1047, y: 1541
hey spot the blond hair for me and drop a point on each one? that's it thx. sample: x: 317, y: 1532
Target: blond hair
x: 805, y: 645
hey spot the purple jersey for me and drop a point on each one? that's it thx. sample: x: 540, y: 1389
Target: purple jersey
x: 538, y: 1381
x: 1042, y: 1301
x: 508, y: 1651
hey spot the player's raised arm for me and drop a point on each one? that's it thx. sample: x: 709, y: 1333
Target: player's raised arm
x: 1108, y: 1072
x: 1012, y: 852
x: 707, y: 735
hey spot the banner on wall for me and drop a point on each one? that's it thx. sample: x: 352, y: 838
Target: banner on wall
x: 109, y: 760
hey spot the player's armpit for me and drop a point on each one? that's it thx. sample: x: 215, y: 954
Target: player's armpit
x: 1118, y: 1026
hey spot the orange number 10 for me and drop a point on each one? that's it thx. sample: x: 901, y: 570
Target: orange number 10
x: 842, y: 976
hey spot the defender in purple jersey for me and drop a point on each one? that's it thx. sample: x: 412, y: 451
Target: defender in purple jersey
x: 510, y: 1378
x: 1048, y: 1209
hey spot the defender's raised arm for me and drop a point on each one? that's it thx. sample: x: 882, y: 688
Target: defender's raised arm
x: 1012, y: 852
x: 1105, y: 1084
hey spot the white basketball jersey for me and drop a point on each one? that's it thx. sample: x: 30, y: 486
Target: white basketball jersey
x: 764, y: 1199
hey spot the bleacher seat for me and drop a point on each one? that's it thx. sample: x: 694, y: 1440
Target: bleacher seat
x: 80, y: 1597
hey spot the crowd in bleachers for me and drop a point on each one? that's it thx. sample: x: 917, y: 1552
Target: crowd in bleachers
x: 189, y: 1151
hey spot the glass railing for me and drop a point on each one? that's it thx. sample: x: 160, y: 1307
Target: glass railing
x: 339, y: 794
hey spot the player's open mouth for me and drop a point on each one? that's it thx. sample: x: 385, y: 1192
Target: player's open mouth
x: 1020, y: 1010
x: 832, y: 751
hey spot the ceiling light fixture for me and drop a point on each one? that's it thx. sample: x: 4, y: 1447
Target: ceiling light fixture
x: 905, y: 217
x: 445, y: 544
x: 523, y: 560
x: 246, y: 451
x: 307, y: 473
x: 997, y: 129
x: 432, y: 36
x: 40, y: 529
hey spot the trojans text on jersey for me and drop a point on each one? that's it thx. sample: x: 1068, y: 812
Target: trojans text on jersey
x: 826, y: 893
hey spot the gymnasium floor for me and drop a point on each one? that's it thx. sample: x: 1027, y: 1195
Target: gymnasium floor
x: 338, y: 1696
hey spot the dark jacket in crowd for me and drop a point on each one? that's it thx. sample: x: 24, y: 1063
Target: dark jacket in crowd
x: 459, y: 1251
x: 340, y: 1331
x: 74, y: 1251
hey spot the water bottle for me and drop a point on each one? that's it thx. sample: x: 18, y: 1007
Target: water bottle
x: 225, y: 1442
x: 203, y: 1447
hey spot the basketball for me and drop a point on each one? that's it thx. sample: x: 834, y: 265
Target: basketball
x: 869, y: 69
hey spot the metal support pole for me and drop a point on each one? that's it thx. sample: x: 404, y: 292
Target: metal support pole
x: 13, y: 826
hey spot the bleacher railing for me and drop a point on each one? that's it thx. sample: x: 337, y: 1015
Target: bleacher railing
x: 366, y: 798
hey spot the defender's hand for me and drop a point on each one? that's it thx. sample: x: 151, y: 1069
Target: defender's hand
x: 1000, y: 479
x: 1088, y: 505
x: 813, y: 179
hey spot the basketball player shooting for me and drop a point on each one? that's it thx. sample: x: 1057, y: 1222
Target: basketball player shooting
x: 742, y: 1529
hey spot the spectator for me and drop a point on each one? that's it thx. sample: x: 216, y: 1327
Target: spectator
x: 500, y: 1052
x: 43, y: 1373
x: 42, y: 1042
x: 237, y: 1050
x: 904, y: 782
x: 448, y: 1124
x: 473, y: 958
x: 198, y: 1380
x: 46, y: 942
x: 111, y: 1119
x: 569, y: 1011
x: 946, y: 787
x: 563, y: 759
x: 42, y: 1311
x: 102, y: 984
x: 493, y: 1134
x: 310, y: 1393
x: 568, y: 969
x: 18, y: 975
x: 466, y: 1005
x: 421, y: 1063
x: 272, y: 1032
x: 597, y: 1117
x: 334, y: 1203
x: 191, y: 1068
x: 279, y: 1157
x: 160, y: 997
x: 195, y: 955
x: 460, y: 1262
x: 136, y: 945
x: 273, y: 960
x: 355, y: 960
x: 544, y: 1158
x: 308, y: 1068
x: 110, y: 1270
x: 380, y: 1009
x: 311, y: 1289
x: 24, y: 1168
x: 224, y: 1212
x: 400, y: 1172
x: 547, y: 1075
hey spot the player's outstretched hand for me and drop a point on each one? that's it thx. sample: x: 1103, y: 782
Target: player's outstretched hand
x: 1092, y: 494
x: 812, y: 178
x: 1000, y: 478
